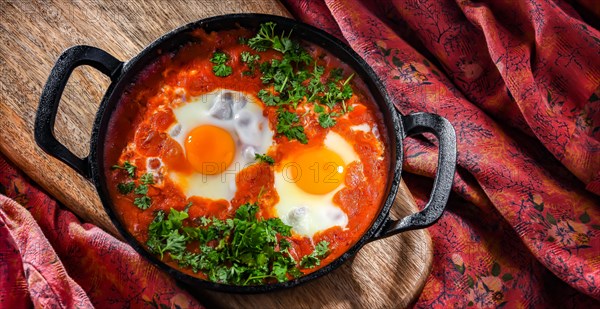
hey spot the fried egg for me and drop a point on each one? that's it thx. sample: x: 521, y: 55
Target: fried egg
x: 307, y: 182
x: 220, y: 133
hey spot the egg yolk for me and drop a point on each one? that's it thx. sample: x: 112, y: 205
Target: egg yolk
x: 317, y: 170
x: 209, y: 149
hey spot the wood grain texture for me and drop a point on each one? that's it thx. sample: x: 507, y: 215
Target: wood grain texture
x: 384, y: 274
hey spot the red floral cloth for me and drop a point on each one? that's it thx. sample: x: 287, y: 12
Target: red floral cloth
x: 49, y: 259
x: 520, y: 82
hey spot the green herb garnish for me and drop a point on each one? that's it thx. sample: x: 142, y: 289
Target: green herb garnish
x: 142, y: 202
x: 314, y: 259
x: 297, y: 78
x: 337, y: 93
x: 251, y: 60
x: 268, y: 97
x: 126, y: 188
x: 336, y: 74
x: 244, y: 250
x: 326, y: 120
x: 127, y: 167
x: 141, y: 189
x: 220, y: 68
x: 264, y: 158
x: 266, y: 38
x: 287, y: 125
x: 163, y: 234
x: 147, y: 179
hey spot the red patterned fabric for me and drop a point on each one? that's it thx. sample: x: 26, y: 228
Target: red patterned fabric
x: 49, y: 259
x: 519, y: 80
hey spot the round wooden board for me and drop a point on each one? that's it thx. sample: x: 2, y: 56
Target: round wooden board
x: 388, y: 273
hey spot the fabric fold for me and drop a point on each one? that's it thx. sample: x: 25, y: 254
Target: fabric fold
x: 54, y: 260
x: 519, y: 82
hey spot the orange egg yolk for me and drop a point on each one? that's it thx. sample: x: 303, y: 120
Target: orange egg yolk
x: 317, y: 170
x: 209, y: 149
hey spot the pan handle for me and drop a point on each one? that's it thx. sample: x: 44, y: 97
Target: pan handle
x: 51, y: 95
x: 420, y: 123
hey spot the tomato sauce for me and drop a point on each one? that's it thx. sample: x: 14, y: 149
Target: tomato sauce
x: 138, y: 131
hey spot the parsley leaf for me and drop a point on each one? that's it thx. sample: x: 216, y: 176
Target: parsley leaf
x: 296, y: 94
x: 314, y: 259
x: 290, y: 83
x: 220, y: 69
x: 314, y: 84
x: 268, y: 97
x: 319, y: 109
x: 126, y: 187
x: 336, y: 74
x: 250, y: 60
x: 147, y: 179
x: 142, y: 202
x: 130, y: 168
x: 264, y: 38
x: 247, y: 212
x: 286, y: 126
x: 326, y: 121
x: 219, y: 58
x: 321, y: 249
x: 264, y: 158
x: 141, y: 189
x: 163, y: 235
x: 336, y: 94
x: 245, y: 250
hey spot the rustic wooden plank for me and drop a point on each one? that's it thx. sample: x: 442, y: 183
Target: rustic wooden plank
x: 385, y: 273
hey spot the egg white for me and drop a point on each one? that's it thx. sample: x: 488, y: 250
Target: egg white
x: 247, y: 126
x: 308, y: 213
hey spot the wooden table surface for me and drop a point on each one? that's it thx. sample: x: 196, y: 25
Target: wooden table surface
x: 384, y: 274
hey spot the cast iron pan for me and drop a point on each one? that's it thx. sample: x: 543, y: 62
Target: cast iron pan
x: 122, y: 74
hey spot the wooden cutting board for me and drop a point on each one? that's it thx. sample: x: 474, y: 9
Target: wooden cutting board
x: 386, y: 273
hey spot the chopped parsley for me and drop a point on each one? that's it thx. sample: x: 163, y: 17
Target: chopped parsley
x: 268, y: 97
x: 287, y: 125
x: 220, y: 68
x: 126, y: 187
x: 251, y: 60
x: 315, y: 87
x: 314, y: 259
x: 244, y: 250
x: 337, y: 93
x: 336, y: 74
x: 325, y: 119
x: 296, y: 78
x: 141, y: 189
x: 264, y: 158
x: 127, y: 167
x: 147, y: 179
x: 142, y: 201
x: 266, y: 38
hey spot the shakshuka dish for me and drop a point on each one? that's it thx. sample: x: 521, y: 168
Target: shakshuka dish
x: 247, y: 157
